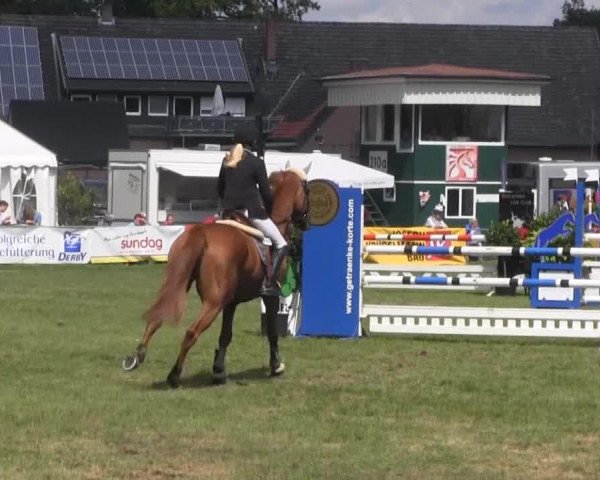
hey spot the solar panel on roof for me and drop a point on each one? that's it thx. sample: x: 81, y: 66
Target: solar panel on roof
x: 153, y: 59
x: 20, y: 66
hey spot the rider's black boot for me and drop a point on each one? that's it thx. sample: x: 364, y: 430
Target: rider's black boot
x: 270, y: 287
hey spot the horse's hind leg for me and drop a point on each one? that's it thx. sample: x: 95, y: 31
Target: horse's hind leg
x: 138, y: 357
x: 207, y: 315
x: 271, y: 310
x: 218, y: 371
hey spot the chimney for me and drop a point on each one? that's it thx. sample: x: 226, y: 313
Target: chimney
x: 271, y: 39
x: 106, y: 13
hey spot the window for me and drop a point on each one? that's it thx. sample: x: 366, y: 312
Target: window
x: 158, y: 105
x: 389, y: 124
x: 370, y: 124
x: 106, y: 97
x: 133, y: 104
x: 183, y: 106
x: 407, y: 127
x: 24, y: 197
x: 81, y: 97
x: 236, y: 106
x: 460, y: 202
x: 206, y: 104
x: 462, y: 124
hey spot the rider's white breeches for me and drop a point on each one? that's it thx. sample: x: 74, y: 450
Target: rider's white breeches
x: 268, y: 227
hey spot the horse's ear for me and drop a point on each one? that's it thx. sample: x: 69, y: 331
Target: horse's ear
x: 307, y: 168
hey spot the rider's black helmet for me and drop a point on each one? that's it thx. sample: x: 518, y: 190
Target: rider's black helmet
x: 246, y: 135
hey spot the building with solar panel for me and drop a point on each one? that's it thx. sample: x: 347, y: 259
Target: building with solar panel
x: 160, y: 77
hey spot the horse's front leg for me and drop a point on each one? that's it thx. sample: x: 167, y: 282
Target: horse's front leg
x: 218, y: 371
x: 271, y: 308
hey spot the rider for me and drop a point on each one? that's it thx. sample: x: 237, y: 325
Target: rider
x: 241, y: 172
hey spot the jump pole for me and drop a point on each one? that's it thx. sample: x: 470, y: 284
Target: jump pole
x: 484, y: 251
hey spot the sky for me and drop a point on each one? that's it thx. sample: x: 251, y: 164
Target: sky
x: 482, y: 12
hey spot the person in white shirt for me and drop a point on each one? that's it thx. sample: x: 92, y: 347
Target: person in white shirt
x: 5, y: 217
x: 435, y: 220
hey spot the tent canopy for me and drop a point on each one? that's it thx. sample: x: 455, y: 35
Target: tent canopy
x: 18, y: 150
x: 197, y: 163
x: 21, y: 157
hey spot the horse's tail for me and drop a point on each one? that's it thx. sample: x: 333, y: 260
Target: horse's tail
x: 182, y: 266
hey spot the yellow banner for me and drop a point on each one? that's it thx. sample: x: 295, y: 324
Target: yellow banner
x: 414, y: 259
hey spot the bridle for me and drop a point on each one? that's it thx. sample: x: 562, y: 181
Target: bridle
x: 300, y: 219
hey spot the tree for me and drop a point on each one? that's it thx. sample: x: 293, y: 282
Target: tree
x: 575, y: 13
x: 75, y: 203
x: 284, y: 9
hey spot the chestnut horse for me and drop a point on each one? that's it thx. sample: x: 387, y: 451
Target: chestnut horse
x: 227, y: 268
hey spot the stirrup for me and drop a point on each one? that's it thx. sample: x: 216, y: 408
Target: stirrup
x: 267, y: 290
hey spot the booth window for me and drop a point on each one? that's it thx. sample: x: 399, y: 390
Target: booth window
x: 369, y: 126
x: 460, y: 202
x: 158, y: 105
x: 183, y: 106
x: 388, y: 124
x: 133, y: 104
x: 462, y: 124
x: 24, y: 193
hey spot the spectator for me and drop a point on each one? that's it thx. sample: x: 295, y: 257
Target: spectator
x: 139, y: 220
x: 30, y: 216
x: 170, y: 220
x: 5, y: 217
x: 435, y: 220
x: 473, y: 228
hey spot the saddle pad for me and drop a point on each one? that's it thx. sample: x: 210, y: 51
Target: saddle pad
x: 249, y: 230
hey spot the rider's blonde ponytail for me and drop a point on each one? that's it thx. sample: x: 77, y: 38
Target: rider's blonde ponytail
x: 234, y: 156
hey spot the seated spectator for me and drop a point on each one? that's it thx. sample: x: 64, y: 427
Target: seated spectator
x: 139, y: 220
x: 473, y: 228
x: 435, y: 220
x: 30, y: 216
x: 5, y: 216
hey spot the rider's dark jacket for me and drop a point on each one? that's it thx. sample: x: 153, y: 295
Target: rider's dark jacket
x: 237, y: 187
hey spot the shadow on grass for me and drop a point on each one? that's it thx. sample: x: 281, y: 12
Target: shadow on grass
x: 204, y: 379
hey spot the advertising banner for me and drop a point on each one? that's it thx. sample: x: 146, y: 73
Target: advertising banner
x: 132, y: 243
x: 415, y: 259
x: 44, y: 245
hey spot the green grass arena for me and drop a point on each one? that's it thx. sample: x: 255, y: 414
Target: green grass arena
x: 379, y: 407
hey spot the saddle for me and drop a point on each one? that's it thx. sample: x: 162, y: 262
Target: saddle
x: 239, y: 220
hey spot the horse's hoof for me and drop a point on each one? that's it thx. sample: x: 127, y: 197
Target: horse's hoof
x: 277, y: 370
x: 130, y: 363
x: 173, y: 378
x: 219, y: 378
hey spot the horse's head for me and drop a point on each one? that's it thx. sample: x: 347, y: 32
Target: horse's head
x: 290, y: 197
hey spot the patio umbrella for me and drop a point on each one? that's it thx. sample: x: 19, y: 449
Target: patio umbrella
x: 218, y: 107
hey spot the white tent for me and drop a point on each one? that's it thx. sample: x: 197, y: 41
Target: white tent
x: 198, y: 163
x: 27, y: 171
